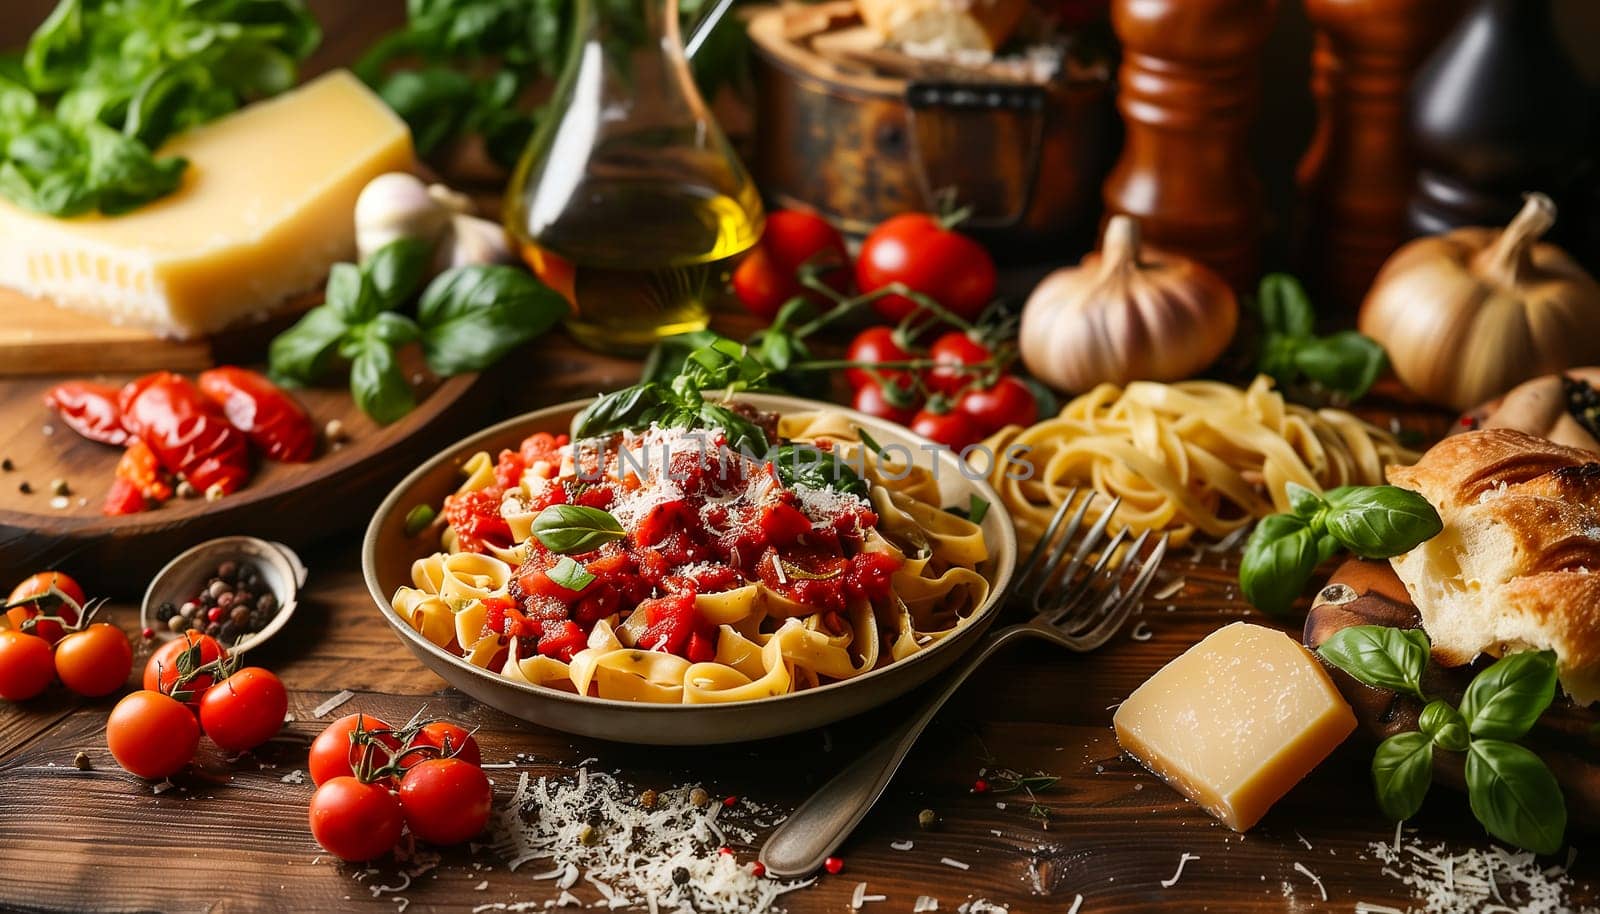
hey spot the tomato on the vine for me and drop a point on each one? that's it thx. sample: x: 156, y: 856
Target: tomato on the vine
x: 452, y: 740
x: 151, y: 734
x: 446, y: 800
x: 37, y: 585
x: 1008, y: 402
x: 161, y: 670
x: 95, y: 661
x: 895, y: 403
x: 877, y: 344
x: 954, y: 353
x: 769, y: 275
x: 355, y: 821
x: 26, y: 668
x: 334, y: 755
x: 952, y: 429
x: 244, y: 710
x: 918, y: 251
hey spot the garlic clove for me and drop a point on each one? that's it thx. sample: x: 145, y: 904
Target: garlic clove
x: 397, y: 205
x: 455, y: 201
x: 471, y: 240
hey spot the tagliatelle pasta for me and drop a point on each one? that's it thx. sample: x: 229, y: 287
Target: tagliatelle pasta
x: 1186, y: 457
x: 730, y: 581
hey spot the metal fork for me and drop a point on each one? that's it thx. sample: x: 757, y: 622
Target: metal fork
x: 1078, y: 613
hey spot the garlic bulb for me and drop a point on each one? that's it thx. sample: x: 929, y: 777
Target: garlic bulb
x: 1469, y: 314
x: 399, y: 205
x: 473, y: 240
x: 1126, y: 314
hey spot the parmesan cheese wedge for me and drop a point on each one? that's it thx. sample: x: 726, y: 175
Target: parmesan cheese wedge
x: 1236, y: 721
x: 266, y: 207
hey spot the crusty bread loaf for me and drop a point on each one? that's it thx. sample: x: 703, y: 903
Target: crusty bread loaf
x: 947, y: 26
x: 1517, y: 565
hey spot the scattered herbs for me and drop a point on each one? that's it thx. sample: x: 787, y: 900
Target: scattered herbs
x: 570, y: 574
x: 575, y: 528
x: 418, y: 519
x: 976, y: 510
x: 1510, y: 789
x: 1345, y: 364
x: 681, y: 403
x: 810, y: 466
x: 1374, y: 522
x: 468, y: 318
x: 100, y: 85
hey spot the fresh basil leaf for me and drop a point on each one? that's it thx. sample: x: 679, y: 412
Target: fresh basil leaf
x: 1285, y: 307
x: 1382, y: 657
x: 303, y: 353
x: 376, y: 380
x: 810, y: 466
x: 628, y: 408
x: 1279, y: 559
x: 349, y: 294
x: 396, y: 270
x: 1444, y: 725
x: 977, y: 509
x: 722, y: 364
x: 394, y: 329
x: 1346, y: 362
x: 471, y: 316
x: 1402, y: 772
x: 434, y: 102
x: 575, y: 528
x: 1378, y: 522
x: 1303, y: 501
x: 1505, y: 700
x: 418, y: 519
x: 568, y: 573
x: 1515, y: 797
x: 743, y: 435
x: 666, y: 358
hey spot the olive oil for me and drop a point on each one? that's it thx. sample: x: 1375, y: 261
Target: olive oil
x: 640, y: 258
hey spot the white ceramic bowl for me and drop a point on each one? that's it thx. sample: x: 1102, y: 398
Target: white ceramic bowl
x: 387, y: 554
x: 179, y: 581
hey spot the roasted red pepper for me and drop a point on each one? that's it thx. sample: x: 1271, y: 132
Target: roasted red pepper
x: 89, y: 409
x: 188, y: 433
x: 124, y: 498
x: 270, y: 418
x: 140, y: 468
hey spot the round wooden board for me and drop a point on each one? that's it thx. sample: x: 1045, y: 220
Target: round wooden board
x: 294, y: 503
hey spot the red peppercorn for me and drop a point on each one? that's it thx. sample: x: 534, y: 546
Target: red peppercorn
x: 214, y: 614
x: 1468, y: 422
x: 834, y: 865
x: 730, y: 802
x: 980, y: 786
x: 758, y: 869
x: 147, y: 634
x: 725, y: 851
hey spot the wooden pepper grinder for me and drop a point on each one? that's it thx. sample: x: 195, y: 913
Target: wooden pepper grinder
x: 1190, y: 86
x: 1497, y: 111
x: 1357, y: 174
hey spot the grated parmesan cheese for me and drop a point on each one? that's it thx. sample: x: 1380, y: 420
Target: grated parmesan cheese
x: 1473, y: 881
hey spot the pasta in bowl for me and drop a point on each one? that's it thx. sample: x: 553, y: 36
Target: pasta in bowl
x: 661, y: 586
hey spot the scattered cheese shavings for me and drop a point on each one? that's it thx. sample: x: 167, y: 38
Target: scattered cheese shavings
x: 1304, y: 841
x: 1172, y: 589
x: 1076, y: 904
x: 1475, y: 881
x: 902, y: 845
x: 858, y: 897
x: 924, y: 904
x: 162, y: 787
x: 1182, y: 862
x: 982, y: 906
x: 1314, y: 879
x: 1141, y: 632
x: 1363, y: 907
x: 955, y: 863
x: 498, y: 765
x: 294, y: 777
x: 481, y: 886
x: 333, y: 702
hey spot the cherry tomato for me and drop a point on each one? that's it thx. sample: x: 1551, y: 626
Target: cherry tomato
x: 1008, y: 402
x: 876, y: 344
x: 446, y: 800
x: 334, y: 755
x: 355, y: 821
x: 161, y: 670
x: 916, y: 250
x: 25, y: 665
x: 875, y: 401
x: 769, y: 275
x: 954, y: 352
x: 151, y: 735
x: 89, y: 409
x: 37, y: 585
x: 95, y: 661
x: 952, y: 429
x: 273, y: 421
x: 452, y: 739
x: 188, y: 433
x: 244, y: 710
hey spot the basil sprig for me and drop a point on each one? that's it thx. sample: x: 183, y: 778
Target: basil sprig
x: 576, y: 528
x: 810, y: 466
x: 1374, y: 522
x: 681, y: 403
x: 570, y: 574
x: 1344, y: 364
x: 1510, y: 789
x: 468, y: 318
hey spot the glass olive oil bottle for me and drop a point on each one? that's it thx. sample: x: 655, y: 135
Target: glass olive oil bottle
x: 629, y: 200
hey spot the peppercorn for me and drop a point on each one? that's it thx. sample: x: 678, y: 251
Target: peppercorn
x: 680, y: 875
x: 230, y: 632
x: 927, y: 820
x: 178, y: 624
x: 648, y: 799
x: 214, y: 614
x: 59, y: 487
x: 588, y: 836
x: 225, y: 601
x: 698, y: 797
x: 217, y: 589
x: 24, y: 488
x: 228, y: 570
x: 267, y: 603
x: 147, y: 633
x: 186, y: 489
x: 7, y: 465
x: 239, y: 615
x: 980, y: 786
x: 214, y: 629
x: 730, y: 802
x: 165, y: 611
x: 834, y: 865
x: 81, y: 761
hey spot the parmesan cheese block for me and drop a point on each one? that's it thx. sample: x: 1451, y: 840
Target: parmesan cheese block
x: 265, y: 209
x: 1236, y: 721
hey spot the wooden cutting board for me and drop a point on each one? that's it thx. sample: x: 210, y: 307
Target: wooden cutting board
x: 38, y: 338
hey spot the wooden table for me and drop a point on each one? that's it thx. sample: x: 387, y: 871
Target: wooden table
x: 232, y: 836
